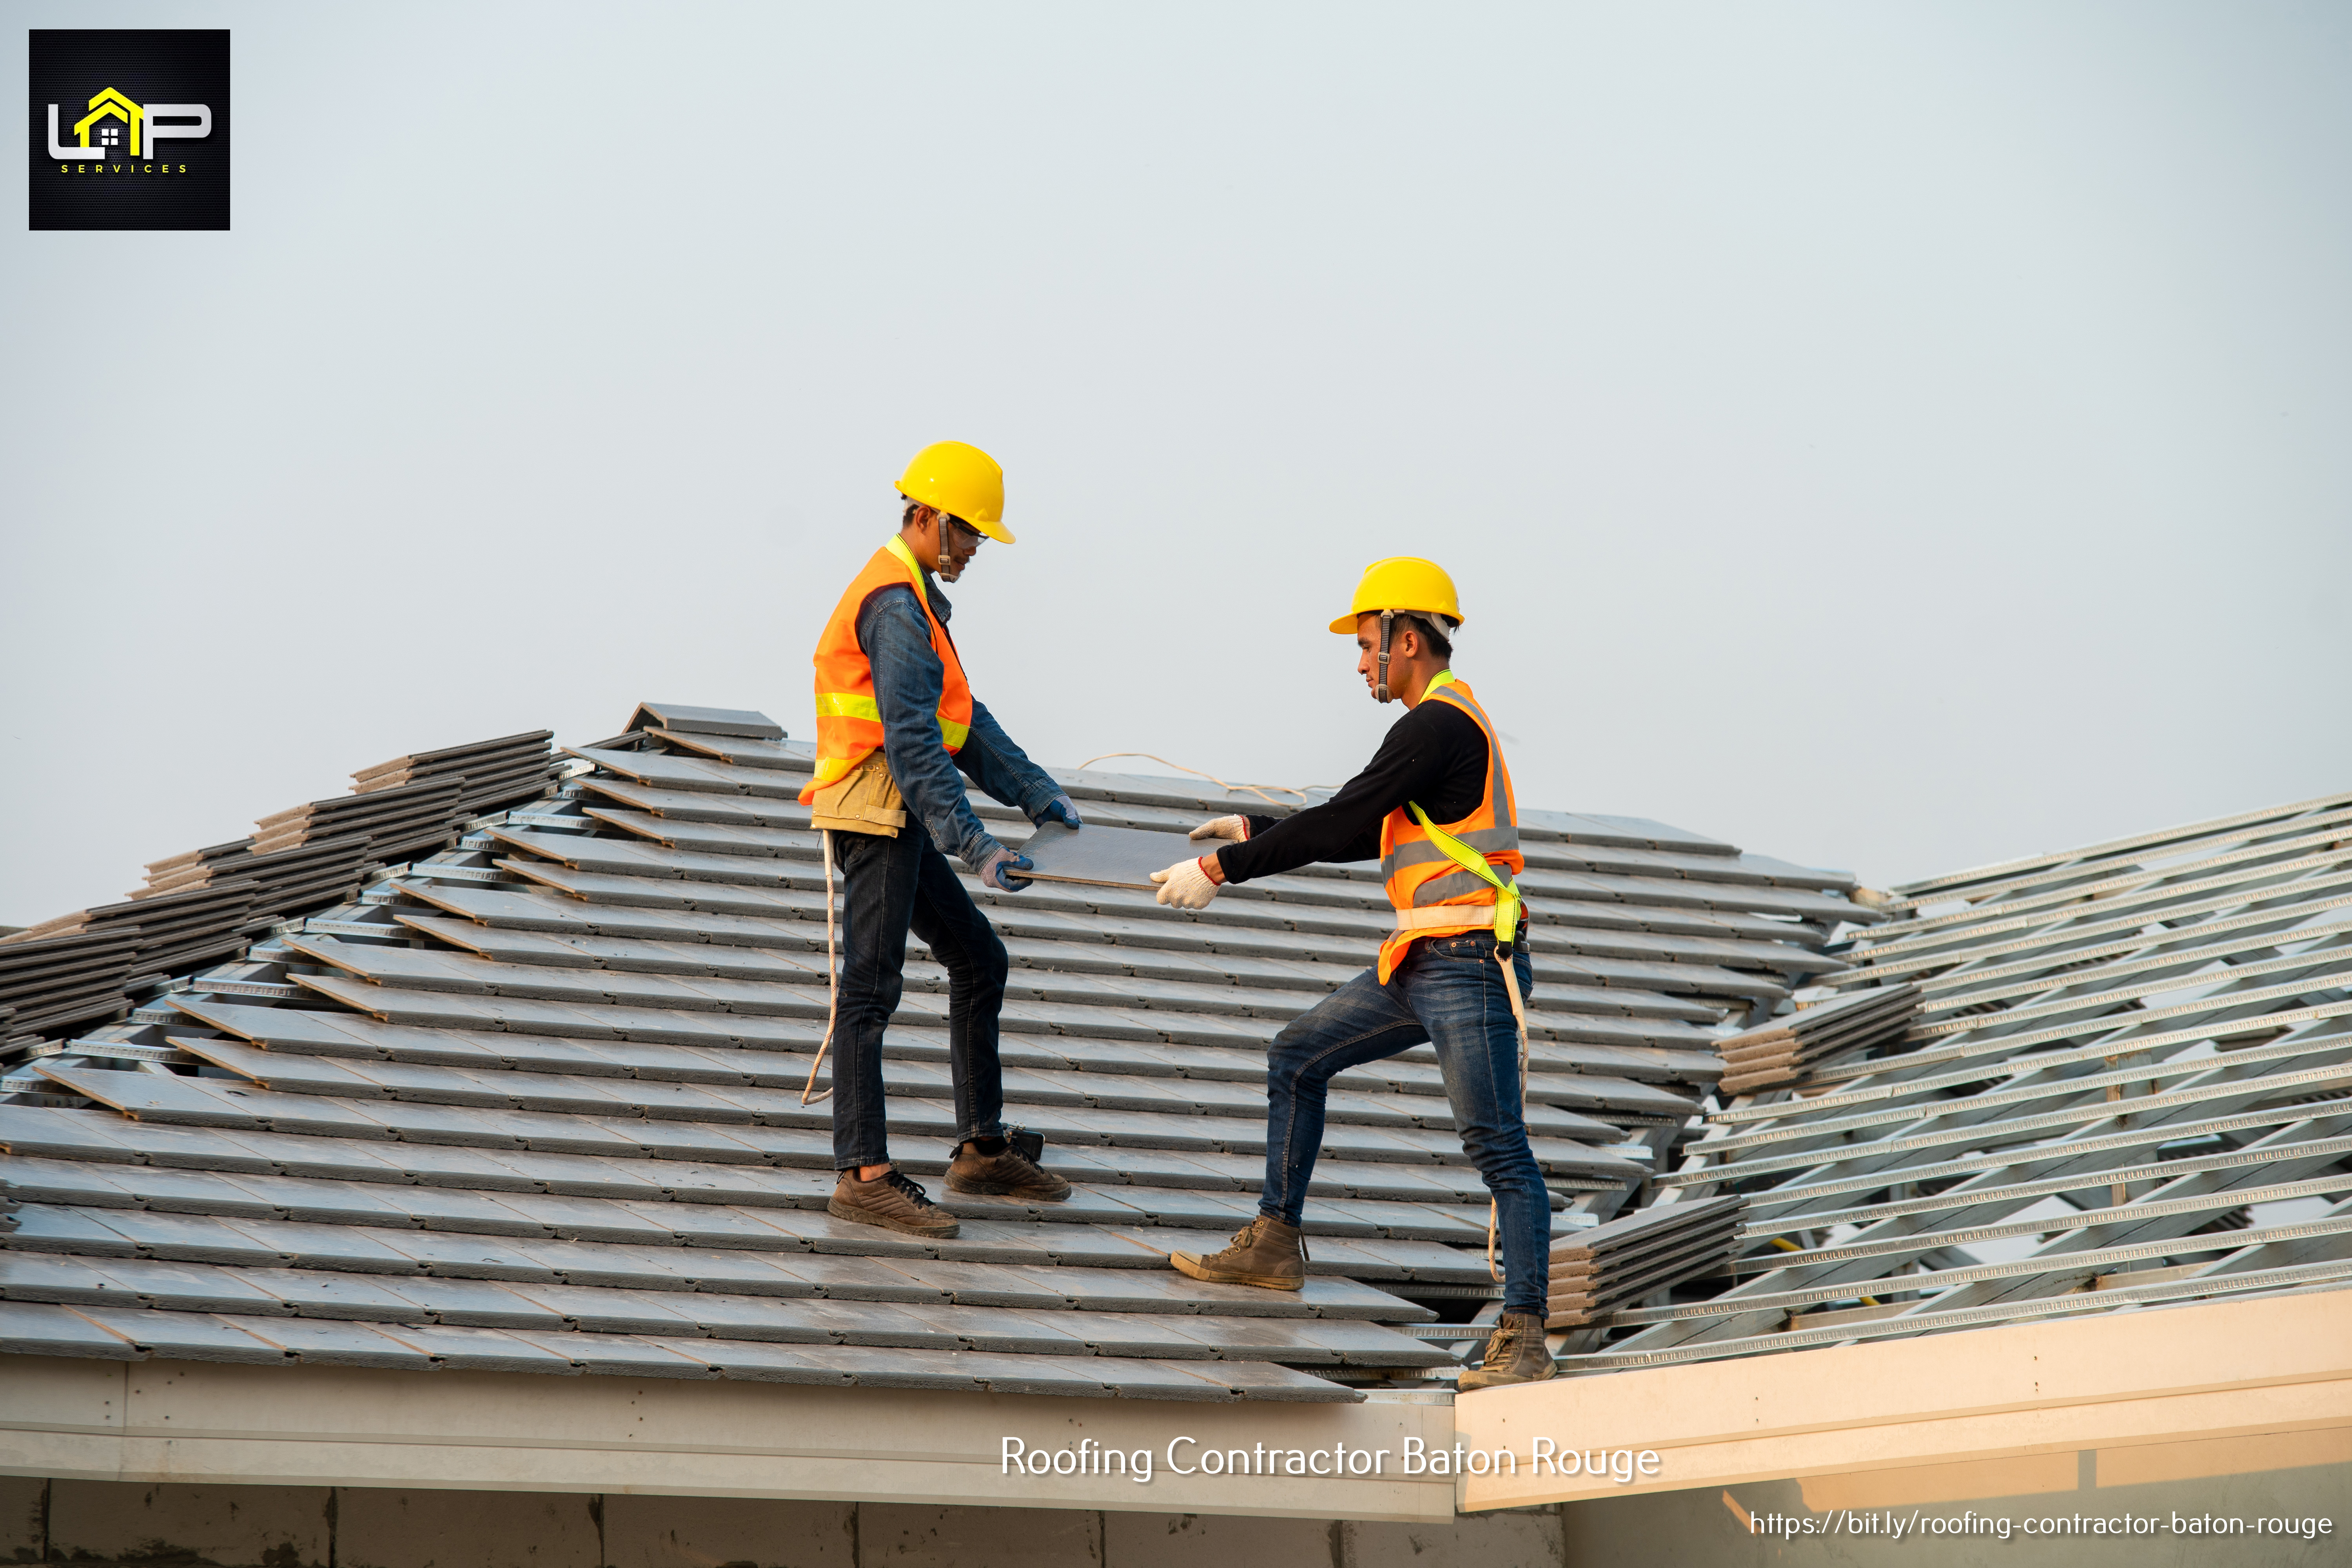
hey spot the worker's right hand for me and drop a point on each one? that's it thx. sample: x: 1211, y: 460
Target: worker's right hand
x: 1186, y: 886
x: 997, y: 870
x: 1233, y: 828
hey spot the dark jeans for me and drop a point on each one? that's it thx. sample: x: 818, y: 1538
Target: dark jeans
x: 1448, y: 991
x: 890, y: 886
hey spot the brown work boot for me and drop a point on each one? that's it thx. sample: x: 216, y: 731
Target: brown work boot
x: 1266, y: 1252
x: 1516, y: 1353
x: 893, y: 1201
x: 1005, y: 1174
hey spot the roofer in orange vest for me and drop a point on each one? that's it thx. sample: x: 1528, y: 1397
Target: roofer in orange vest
x: 1435, y: 805
x: 898, y: 732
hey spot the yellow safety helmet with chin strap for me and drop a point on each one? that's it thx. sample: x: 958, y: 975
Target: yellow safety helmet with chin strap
x: 1402, y: 584
x: 962, y: 481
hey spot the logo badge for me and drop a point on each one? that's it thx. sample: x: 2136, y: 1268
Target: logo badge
x: 130, y: 129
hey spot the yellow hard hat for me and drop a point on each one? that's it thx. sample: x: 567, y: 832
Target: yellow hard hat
x: 1402, y: 583
x: 962, y: 481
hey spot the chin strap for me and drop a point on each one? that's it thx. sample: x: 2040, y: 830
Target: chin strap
x: 1388, y: 625
x: 949, y: 572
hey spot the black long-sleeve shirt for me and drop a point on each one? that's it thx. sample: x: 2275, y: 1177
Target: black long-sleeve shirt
x: 1435, y: 755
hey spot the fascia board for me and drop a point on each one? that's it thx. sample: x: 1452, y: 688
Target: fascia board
x: 321, y: 1425
x: 2274, y: 1363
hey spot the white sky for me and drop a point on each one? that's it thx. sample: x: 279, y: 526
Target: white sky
x: 1887, y: 437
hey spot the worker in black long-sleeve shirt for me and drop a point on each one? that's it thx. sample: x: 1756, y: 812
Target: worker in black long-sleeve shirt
x: 1435, y: 805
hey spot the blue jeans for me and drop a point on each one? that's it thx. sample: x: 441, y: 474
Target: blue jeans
x: 893, y: 886
x: 1448, y: 991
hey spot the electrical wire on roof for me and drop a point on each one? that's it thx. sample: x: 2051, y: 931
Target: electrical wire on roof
x: 1257, y: 790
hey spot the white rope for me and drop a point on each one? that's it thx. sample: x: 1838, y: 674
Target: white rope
x: 832, y: 974
x: 1519, y: 1013
x: 1257, y: 790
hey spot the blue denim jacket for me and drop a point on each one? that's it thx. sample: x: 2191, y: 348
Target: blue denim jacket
x: 908, y: 676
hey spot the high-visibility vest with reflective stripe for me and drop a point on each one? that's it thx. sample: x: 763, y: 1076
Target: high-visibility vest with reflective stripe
x: 848, y: 723
x: 1422, y: 877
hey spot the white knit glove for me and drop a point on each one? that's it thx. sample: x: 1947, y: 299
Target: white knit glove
x: 1186, y: 886
x: 1234, y: 829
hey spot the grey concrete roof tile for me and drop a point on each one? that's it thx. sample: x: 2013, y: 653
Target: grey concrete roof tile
x: 717, y: 1225
x: 101, y: 1233
x: 35, y: 1180
x: 505, y: 943
x: 324, y: 1293
x: 914, y: 1325
x: 325, y: 1343
x: 59, y: 1132
x: 33, y: 1329
x: 743, y: 1184
x: 479, y: 1349
x: 758, y: 1360
x: 473, y: 1303
x: 460, y: 1256
x: 1199, y: 1381
x: 782, y: 1321
x: 306, y: 1199
x: 45, y: 1276
x: 624, y: 1356
x: 479, y: 1213
x: 149, y: 1097
x: 185, y: 1336
x: 1263, y: 1380
x: 347, y: 1249
x: 956, y: 1372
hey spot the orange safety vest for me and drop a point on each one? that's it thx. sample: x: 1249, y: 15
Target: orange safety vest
x: 1433, y: 895
x: 848, y: 724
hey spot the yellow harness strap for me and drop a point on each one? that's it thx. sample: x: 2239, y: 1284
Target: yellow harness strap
x: 1506, y: 928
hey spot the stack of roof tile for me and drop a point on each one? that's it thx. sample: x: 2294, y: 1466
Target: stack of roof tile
x: 196, y: 868
x: 45, y: 982
x: 167, y: 932
x: 412, y: 819
x: 1782, y: 1050
x: 1630, y: 1259
x: 285, y: 880
x: 489, y: 773
x: 205, y: 905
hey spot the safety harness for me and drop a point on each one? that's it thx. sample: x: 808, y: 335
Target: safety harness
x: 1508, y: 909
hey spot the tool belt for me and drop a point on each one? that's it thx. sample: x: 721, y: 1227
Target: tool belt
x: 864, y: 800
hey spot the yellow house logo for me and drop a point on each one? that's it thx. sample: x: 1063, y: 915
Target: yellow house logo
x: 100, y: 134
x: 121, y: 101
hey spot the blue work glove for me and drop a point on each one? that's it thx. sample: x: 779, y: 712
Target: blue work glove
x: 1059, y: 809
x: 997, y: 870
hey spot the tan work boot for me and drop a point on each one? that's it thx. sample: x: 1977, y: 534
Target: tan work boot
x: 1004, y: 1174
x: 1266, y: 1253
x: 893, y: 1201
x: 1516, y: 1353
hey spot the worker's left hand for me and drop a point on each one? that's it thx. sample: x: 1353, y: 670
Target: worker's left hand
x: 1059, y: 809
x: 998, y: 870
x: 1186, y: 886
x: 1233, y: 829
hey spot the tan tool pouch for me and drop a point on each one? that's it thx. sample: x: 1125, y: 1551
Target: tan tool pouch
x: 866, y: 800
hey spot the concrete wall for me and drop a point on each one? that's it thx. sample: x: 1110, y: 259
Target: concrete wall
x: 92, y: 1524
x: 95, y: 1524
